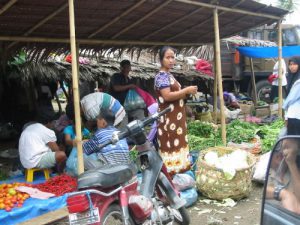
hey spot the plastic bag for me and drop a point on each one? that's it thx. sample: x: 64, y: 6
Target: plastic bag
x: 261, y: 168
x: 72, y: 162
x: 148, y: 98
x: 133, y: 101
x: 190, y: 196
x: 183, y: 181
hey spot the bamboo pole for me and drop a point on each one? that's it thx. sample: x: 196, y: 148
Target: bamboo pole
x: 222, y: 8
x: 126, y: 12
x: 254, y: 91
x: 215, y: 92
x: 42, y: 22
x: 7, y: 6
x: 97, y: 41
x: 75, y: 87
x: 219, y: 74
x: 279, y: 69
x: 161, y: 6
x: 172, y: 23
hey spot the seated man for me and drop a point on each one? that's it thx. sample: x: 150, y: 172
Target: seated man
x: 37, y: 144
x: 111, y: 154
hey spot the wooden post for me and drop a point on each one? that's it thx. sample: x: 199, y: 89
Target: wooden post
x: 279, y: 70
x: 215, y: 113
x: 219, y: 75
x: 254, y: 92
x: 75, y: 87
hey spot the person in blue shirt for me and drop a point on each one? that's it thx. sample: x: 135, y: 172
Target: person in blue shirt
x: 69, y: 131
x: 111, y: 154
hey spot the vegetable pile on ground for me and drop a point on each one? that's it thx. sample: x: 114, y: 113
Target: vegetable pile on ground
x: 10, y: 197
x: 269, y: 134
x: 58, y: 185
x: 202, y: 135
x: 238, y: 131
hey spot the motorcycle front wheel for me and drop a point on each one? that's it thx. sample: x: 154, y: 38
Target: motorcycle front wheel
x: 181, y: 216
x: 114, y: 216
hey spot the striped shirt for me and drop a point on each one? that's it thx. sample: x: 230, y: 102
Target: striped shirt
x: 112, y: 154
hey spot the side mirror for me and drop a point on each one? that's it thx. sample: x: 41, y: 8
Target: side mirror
x: 281, y: 198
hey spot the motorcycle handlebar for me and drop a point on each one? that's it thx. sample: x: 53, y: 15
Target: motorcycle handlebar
x: 126, y: 133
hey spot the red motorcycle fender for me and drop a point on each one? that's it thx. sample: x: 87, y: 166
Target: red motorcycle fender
x: 103, y: 205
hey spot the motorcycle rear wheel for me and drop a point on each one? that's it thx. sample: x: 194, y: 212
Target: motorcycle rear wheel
x: 114, y: 216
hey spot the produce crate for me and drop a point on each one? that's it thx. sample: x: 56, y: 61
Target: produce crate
x: 274, y: 109
x: 262, y: 111
x: 246, y: 109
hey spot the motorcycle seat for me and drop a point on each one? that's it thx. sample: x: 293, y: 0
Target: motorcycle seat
x: 107, y: 176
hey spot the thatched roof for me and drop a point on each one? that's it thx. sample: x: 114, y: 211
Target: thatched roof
x: 100, y: 70
x: 43, y: 26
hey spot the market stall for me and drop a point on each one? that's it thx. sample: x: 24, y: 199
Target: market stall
x: 112, y: 25
x: 269, y: 52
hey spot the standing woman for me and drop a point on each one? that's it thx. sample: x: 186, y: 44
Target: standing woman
x: 172, y: 135
x: 292, y: 102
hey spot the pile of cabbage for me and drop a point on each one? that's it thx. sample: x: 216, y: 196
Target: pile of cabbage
x: 228, y: 163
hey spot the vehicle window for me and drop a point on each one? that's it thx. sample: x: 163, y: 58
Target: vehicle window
x: 289, y: 37
x: 254, y: 34
x: 273, y: 35
x: 283, y: 187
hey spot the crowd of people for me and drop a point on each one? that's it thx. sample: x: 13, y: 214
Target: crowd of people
x: 103, y: 113
x: 43, y: 146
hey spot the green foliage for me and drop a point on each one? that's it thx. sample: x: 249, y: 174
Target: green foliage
x: 287, y: 4
x: 200, y: 143
x: 203, y: 135
x: 3, y: 175
x: 200, y: 129
x: 133, y: 153
x: 239, y: 131
x: 18, y: 60
x: 269, y: 134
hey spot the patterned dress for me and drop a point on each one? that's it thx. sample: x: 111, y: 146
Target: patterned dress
x: 172, y: 135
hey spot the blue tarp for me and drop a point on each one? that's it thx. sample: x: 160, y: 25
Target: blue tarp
x: 269, y: 52
x: 32, y: 207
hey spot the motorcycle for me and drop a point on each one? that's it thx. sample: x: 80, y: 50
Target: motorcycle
x: 110, y: 195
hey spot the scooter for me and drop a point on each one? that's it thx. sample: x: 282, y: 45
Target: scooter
x: 110, y: 195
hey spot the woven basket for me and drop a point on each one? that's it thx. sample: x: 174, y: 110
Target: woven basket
x: 204, y: 117
x: 212, y: 183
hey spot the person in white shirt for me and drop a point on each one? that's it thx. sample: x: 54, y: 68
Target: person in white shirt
x: 274, y: 80
x: 37, y: 144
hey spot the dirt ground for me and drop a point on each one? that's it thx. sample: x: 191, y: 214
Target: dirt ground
x: 245, y: 212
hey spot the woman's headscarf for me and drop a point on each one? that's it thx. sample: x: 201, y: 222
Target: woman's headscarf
x: 293, y: 77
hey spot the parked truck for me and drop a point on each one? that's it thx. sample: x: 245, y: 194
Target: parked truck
x: 236, y: 68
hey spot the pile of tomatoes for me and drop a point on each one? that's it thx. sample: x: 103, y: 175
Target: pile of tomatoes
x: 10, y: 197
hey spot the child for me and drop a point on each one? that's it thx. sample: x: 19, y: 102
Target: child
x: 111, y: 154
x: 69, y: 131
